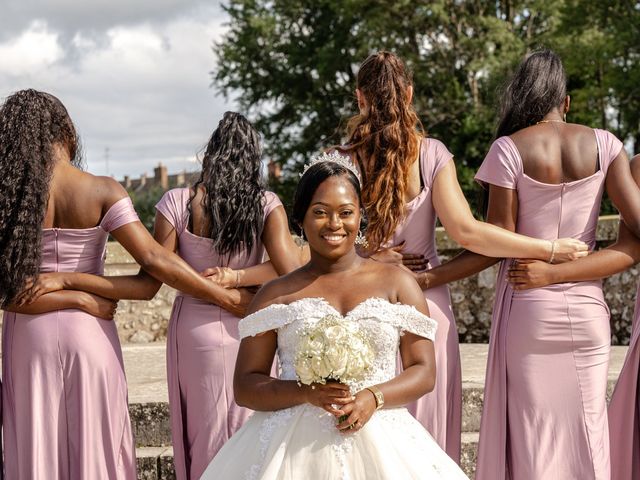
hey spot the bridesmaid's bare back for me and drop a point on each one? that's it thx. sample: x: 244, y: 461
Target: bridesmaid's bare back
x: 78, y: 199
x: 557, y: 152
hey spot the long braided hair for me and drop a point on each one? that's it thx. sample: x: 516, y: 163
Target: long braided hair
x: 384, y: 140
x: 31, y: 123
x: 232, y: 177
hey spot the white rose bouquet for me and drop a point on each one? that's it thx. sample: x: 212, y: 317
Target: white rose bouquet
x: 333, y: 349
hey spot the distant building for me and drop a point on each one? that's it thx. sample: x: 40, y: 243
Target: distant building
x: 161, y: 178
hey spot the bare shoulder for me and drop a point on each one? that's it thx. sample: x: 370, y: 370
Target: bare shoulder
x: 397, y: 278
x: 278, y: 290
x: 110, y: 190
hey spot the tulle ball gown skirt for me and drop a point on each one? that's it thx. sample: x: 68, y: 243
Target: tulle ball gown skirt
x: 557, y: 356
x: 303, y: 443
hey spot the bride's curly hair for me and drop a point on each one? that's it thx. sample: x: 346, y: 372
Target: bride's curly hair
x: 384, y: 140
x: 234, y: 187
x: 31, y: 123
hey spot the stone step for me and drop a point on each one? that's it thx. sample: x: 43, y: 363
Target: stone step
x: 155, y: 463
x: 469, y: 453
x: 145, y: 366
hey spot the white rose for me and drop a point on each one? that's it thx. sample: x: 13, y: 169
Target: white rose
x: 338, y: 358
x: 305, y: 372
x: 320, y: 367
x: 356, y: 367
x: 333, y: 334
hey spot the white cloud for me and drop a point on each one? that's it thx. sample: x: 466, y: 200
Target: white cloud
x: 141, y: 89
x: 31, y: 51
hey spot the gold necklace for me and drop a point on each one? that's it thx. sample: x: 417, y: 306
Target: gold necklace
x: 550, y: 121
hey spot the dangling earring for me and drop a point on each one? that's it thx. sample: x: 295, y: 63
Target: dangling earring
x: 564, y: 117
x: 361, y: 240
x: 302, y: 234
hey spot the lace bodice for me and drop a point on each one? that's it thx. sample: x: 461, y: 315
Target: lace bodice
x: 381, y: 321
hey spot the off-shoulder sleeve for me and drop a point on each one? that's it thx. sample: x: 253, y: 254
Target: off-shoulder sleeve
x: 609, y: 147
x: 173, y: 206
x: 434, y: 155
x: 270, y: 318
x: 120, y: 213
x: 409, y: 319
x: 271, y: 202
x: 502, y: 166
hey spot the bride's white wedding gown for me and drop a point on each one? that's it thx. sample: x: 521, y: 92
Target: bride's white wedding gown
x: 302, y: 443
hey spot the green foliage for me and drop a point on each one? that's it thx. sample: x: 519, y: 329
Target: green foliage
x: 144, y: 202
x: 294, y: 65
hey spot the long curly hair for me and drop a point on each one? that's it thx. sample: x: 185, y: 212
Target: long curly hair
x: 233, y: 182
x: 538, y: 85
x: 384, y: 139
x: 31, y: 123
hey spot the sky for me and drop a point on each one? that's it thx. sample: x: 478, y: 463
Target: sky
x: 135, y: 75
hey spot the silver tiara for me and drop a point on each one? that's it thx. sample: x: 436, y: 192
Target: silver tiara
x: 334, y: 157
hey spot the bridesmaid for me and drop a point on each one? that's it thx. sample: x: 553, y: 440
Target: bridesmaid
x: 64, y: 392
x: 624, y: 408
x: 544, y: 400
x: 226, y: 220
x: 408, y: 181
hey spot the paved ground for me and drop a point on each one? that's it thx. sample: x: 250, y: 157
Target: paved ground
x: 145, y: 366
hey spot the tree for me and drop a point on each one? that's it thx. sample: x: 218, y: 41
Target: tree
x: 600, y: 43
x: 144, y: 202
x: 294, y: 65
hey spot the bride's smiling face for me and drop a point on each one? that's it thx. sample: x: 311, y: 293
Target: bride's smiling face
x: 332, y: 220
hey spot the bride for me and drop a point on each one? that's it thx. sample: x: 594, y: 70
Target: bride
x: 334, y: 431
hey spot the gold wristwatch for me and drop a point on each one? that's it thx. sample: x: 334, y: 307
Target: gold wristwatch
x: 377, y: 394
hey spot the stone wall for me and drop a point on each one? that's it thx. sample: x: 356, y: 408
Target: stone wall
x: 140, y: 321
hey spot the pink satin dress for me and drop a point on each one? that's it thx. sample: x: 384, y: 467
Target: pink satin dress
x: 545, y: 413
x: 624, y: 411
x: 440, y: 411
x: 65, y: 393
x: 202, y: 346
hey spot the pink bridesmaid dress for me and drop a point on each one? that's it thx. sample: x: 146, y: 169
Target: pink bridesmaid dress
x: 64, y: 392
x: 440, y: 411
x: 545, y: 413
x: 624, y: 411
x: 202, y: 346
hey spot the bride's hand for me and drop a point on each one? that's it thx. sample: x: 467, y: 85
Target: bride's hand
x: 358, y: 412
x: 329, y: 396
x: 567, y: 249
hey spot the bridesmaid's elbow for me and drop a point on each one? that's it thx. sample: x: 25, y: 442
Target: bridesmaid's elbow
x: 464, y: 233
